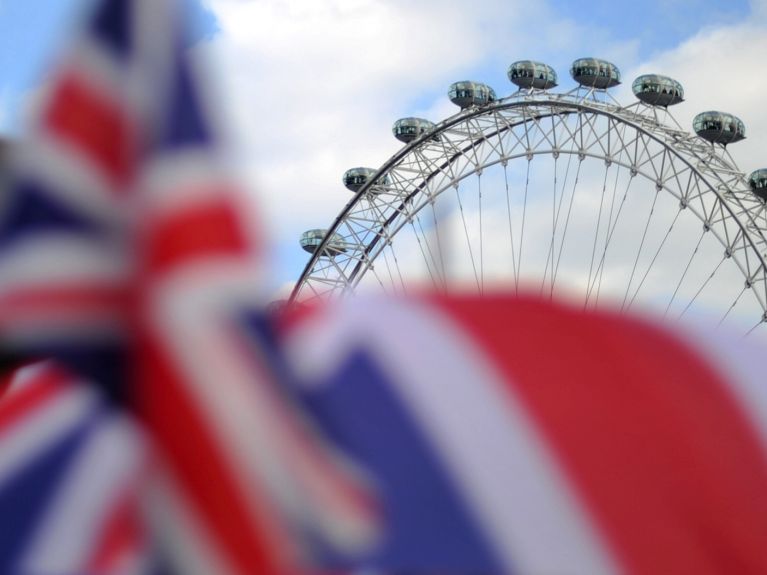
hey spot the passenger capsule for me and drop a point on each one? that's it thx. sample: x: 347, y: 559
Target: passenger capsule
x: 355, y: 178
x: 467, y: 94
x: 529, y: 74
x: 595, y: 73
x: 658, y: 90
x: 311, y: 240
x: 758, y: 182
x: 409, y: 129
x: 719, y: 127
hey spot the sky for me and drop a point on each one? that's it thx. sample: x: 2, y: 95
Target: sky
x: 311, y: 88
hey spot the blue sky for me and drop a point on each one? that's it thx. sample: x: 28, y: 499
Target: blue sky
x: 31, y: 33
x: 658, y: 25
x: 311, y: 87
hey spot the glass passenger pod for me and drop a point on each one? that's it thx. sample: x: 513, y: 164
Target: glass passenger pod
x: 408, y: 129
x: 528, y: 74
x: 595, y: 73
x: 758, y: 182
x: 719, y: 127
x: 468, y: 94
x: 311, y: 240
x: 355, y: 178
x: 657, y: 90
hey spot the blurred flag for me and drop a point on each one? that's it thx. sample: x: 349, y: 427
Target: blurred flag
x: 125, y: 254
x: 518, y: 436
x: 71, y: 473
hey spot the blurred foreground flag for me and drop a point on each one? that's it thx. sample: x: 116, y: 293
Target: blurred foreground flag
x: 126, y: 256
x: 71, y: 475
x: 512, y: 435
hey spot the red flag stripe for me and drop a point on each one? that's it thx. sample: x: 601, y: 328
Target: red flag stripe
x: 46, y: 303
x: 95, y: 125
x: 123, y: 536
x: 208, y: 478
x: 196, y: 231
x: 45, y: 387
x: 660, y: 452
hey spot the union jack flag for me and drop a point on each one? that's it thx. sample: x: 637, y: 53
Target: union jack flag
x: 72, y: 469
x: 125, y: 255
x: 512, y: 435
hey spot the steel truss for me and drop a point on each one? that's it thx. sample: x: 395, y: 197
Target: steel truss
x: 702, y: 177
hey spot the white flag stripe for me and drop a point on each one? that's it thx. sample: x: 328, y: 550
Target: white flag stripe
x: 42, y: 427
x: 106, y: 467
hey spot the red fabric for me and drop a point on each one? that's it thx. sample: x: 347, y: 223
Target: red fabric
x: 58, y: 300
x: 659, y: 451
x: 193, y: 232
x: 17, y: 406
x: 123, y: 536
x: 94, y: 125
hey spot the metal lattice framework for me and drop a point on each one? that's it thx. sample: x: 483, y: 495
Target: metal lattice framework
x: 701, y: 176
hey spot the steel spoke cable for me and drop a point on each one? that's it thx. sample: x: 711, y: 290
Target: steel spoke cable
x: 567, y: 224
x: 702, y: 287
x: 428, y: 244
x: 440, y: 251
x: 737, y: 299
x: 599, y: 225
x: 555, y: 211
x: 396, y: 265
x: 601, y: 267
x: 760, y: 322
x: 592, y: 282
x: 468, y: 240
x: 599, y: 273
x: 639, y: 251
x: 388, y: 269
x: 375, y: 273
x: 522, y: 231
x: 481, y: 245
x: 610, y: 231
x: 684, y: 273
x: 511, y: 229
x: 655, y: 257
x: 423, y: 253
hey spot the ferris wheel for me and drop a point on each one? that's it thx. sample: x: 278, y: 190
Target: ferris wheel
x: 563, y: 194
